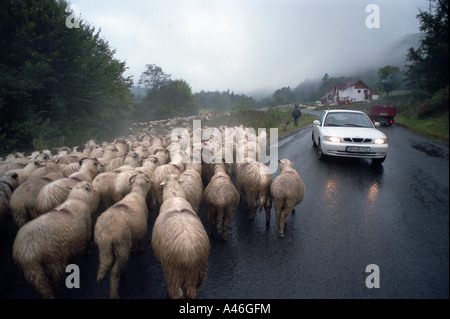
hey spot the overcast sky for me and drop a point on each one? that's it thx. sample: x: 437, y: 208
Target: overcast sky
x: 249, y: 45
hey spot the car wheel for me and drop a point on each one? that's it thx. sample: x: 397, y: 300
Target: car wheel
x: 320, y: 155
x: 378, y: 161
x: 313, y: 140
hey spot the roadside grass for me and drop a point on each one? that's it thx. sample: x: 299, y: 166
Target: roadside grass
x: 434, y: 128
x: 271, y: 118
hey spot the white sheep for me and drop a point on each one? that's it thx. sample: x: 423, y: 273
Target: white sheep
x: 220, y: 198
x: 34, y: 164
x: 43, y: 247
x: 23, y: 200
x: 175, y: 166
x: 191, y: 181
x: 180, y: 242
x: 287, y: 191
x: 118, y: 228
x: 253, y: 180
x: 56, y: 192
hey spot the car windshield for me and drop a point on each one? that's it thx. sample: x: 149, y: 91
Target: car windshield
x: 347, y: 119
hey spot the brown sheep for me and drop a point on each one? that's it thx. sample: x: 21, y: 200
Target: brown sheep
x: 287, y: 191
x: 191, y: 181
x: 35, y: 163
x: 118, y: 228
x: 8, y: 183
x: 180, y: 242
x: 220, y: 198
x: 56, y: 192
x: 103, y: 185
x: 23, y: 200
x: 253, y: 180
x: 175, y: 166
x: 43, y: 247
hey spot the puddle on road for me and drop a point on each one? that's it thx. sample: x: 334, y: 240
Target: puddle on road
x: 430, y: 150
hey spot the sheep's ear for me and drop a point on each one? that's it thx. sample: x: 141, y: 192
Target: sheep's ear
x: 163, y: 183
x: 279, y: 161
x: 181, y: 180
x: 131, y: 178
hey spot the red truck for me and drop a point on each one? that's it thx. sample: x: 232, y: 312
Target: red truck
x: 383, y: 113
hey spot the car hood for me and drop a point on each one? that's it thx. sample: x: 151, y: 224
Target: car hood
x: 361, y: 132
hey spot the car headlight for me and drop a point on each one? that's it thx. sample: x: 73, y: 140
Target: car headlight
x: 380, y: 140
x: 333, y: 139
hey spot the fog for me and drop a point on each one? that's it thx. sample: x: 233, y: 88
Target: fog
x: 252, y: 45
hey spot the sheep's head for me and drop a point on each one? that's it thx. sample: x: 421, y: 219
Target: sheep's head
x: 284, y: 163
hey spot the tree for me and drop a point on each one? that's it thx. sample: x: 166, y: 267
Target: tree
x: 153, y: 78
x: 171, y: 100
x: 428, y: 69
x: 324, y: 86
x: 58, y: 85
x: 390, y: 78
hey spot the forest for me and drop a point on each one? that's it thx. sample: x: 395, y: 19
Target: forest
x: 64, y: 86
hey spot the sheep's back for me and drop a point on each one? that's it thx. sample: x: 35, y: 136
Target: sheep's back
x: 179, y: 239
x: 288, y: 185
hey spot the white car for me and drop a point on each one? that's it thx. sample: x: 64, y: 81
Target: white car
x: 348, y: 133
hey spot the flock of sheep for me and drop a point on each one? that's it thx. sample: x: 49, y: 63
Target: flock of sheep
x: 58, y: 201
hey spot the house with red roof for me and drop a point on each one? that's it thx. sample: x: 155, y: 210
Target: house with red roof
x: 350, y: 92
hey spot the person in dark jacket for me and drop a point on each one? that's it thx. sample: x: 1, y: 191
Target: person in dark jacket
x: 296, y: 113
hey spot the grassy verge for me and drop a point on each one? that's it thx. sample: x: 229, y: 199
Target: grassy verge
x: 271, y: 118
x: 435, y: 128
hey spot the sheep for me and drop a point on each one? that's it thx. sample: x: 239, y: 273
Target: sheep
x: 162, y: 154
x: 8, y: 183
x: 56, y: 192
x: 253, y: 180
x: 122, y: 147
x: 220, y: 198
x: 34, y: 164
x: 109, y: 153
x: 69, y: 169
x: 23, y: 200
x: 180, y: 242
x: 118, y: 228
x: 175, y: 166
x: 6, y: 166
x: 43, y: 247
x: 191, y: 181
x: 287, y: 191
x: 120, y: 186
x: 149, y: 164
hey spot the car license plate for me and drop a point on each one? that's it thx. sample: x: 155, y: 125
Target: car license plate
x: 357, y: 149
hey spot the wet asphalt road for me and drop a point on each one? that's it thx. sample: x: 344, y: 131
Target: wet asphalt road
x: 395, y: 216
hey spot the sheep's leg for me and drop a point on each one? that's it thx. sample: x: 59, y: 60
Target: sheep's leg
x: 252, y: 205
x: 286, y: 211
x: 121, y: 253
x: 212, y: 221
x: 226, y: 221
x: 37, y: 278
x: 174, y: 279
x: 220, y: 215
x: 278, y: 205
x: 267, y: 208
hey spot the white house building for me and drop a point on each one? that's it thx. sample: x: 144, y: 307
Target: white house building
x: 350, y: 92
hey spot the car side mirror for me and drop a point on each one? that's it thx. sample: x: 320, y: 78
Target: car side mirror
x: 317, y: 122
